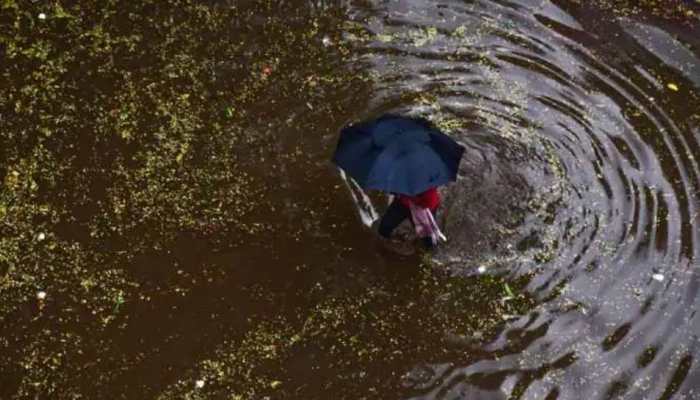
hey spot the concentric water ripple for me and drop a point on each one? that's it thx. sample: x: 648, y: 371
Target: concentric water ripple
x: 580, y: 173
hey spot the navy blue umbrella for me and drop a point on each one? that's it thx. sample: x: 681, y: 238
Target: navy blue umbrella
x: 398, y: 154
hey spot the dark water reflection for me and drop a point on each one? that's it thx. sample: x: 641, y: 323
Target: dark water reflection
x: 578, y: 197
x: 604, y: 115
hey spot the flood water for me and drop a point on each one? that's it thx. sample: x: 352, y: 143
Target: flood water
x: 572, y: 269
x: 601, y: 117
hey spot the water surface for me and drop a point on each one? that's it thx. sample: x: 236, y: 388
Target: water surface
x: 168, y: 186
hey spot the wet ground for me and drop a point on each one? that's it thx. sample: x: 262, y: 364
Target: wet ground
x: 172, y: 228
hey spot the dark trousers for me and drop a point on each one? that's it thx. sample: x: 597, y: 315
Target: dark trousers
x: 394, y: 216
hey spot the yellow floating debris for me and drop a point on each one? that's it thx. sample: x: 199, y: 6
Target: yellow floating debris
x: 673, y: 87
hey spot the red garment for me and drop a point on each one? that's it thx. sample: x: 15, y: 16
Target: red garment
x: 428, y: 199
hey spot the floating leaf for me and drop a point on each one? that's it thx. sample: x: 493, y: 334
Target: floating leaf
x: 275, y: 384
x: 118, y: 301
x: 384, y: 38
x: 508, y: 290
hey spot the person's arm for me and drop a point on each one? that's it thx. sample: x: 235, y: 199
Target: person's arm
x: 428, y: 199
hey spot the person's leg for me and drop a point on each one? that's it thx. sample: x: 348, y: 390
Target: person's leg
x: 392, y: 218
x: 428, y: 243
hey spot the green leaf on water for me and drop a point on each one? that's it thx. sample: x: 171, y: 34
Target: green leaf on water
x: 275, y: 384
x: 60, y: 12
x: 118, y: 301
x: 508, y: 290
x: 384, y: 38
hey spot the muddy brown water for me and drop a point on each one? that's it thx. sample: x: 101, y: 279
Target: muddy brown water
x: 571, y: 270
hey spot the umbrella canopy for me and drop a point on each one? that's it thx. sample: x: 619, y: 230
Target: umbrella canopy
x: 398, y: 154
